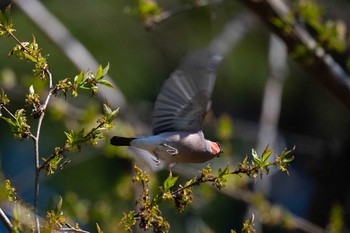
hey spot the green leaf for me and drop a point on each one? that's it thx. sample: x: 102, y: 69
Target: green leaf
x: 266, y: 154
x: 225, y: 172
x: 129, y: 221
x: 105, y: 70
x: 106, y: 83
x: 69, y: 136
x: 7, y: 192
x: 10, y: 121
x: 53, y: 163
x: 59, y: 205
x: 287, y: 156
x: 101, y: 72
x: 169, y: 182
x: 79, y: 78
x: 6, y: 23
x: 18, y: 124
x: 107, y: 109
x: 109, y: 114
x: 79, y: 137
x: 221, y: 180
x: 85, y: 87
x: 3, y: 98
x: 148, y: 8
x: 255, y: 156
x: 74, y: 140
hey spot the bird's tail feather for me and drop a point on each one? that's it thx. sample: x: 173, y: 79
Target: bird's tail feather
x: 121, y: 141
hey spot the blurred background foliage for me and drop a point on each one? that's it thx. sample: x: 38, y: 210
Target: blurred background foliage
x: 96, y: 185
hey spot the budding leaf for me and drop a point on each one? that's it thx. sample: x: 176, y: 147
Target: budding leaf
x: 106, y: 83
x: 287, y: 156
x: 3, y: 98
x: 59, y: 205
x: 6, y: 23
x: 266, y: 154
x: 255, y: 156
x: 31, y: 90
x: 101, y: 72
x: 79, y: 78
x: 170, y: 182
x: 128, y: 221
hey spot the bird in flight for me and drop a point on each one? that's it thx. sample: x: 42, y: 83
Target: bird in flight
x: 179, y: 113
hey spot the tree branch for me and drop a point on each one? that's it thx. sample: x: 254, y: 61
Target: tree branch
x: 37, y: 153
x: 320, y: 65
x: 250, y: 198
x: 4, y: 219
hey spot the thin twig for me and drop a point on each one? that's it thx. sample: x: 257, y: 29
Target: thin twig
x: 6, y: 221
x: 37, y: 154
x: 8, y: 112
x: 249, y: 198
x: 62, y: 150
x: 94, y: 129
x: 35, y: 137
x: 71, y: 230
x: 19, y: 42
x: 47, y: 161
x: 66, y: 229
x: 14, y: 117
x: 202, y: 179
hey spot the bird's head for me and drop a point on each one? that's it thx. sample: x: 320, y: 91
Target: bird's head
x: 216, y: 148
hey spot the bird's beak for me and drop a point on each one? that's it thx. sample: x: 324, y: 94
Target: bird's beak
x: 221, y: 150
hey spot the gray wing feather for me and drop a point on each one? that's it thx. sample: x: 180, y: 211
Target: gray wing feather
x: 184, y: 98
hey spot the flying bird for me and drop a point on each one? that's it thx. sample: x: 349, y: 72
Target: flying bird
x: 179, y: 113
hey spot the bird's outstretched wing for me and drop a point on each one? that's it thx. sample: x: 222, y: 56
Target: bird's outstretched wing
x: 184, y: 98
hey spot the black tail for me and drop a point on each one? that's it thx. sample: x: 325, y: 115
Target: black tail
x: 121, y: 141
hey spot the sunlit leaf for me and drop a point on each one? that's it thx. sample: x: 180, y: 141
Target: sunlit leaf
x: 106, y: 83
x: 99, y: 72
x: 79, y: 78
x: 255, y: 156
x: 266, y: 154
x: 170, y: 182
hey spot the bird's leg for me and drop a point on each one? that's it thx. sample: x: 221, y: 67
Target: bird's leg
x: 171, y: 150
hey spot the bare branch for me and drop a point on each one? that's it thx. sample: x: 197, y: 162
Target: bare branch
x: 4, y: 219
x: 37, y: 153
x: 8, y: 112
